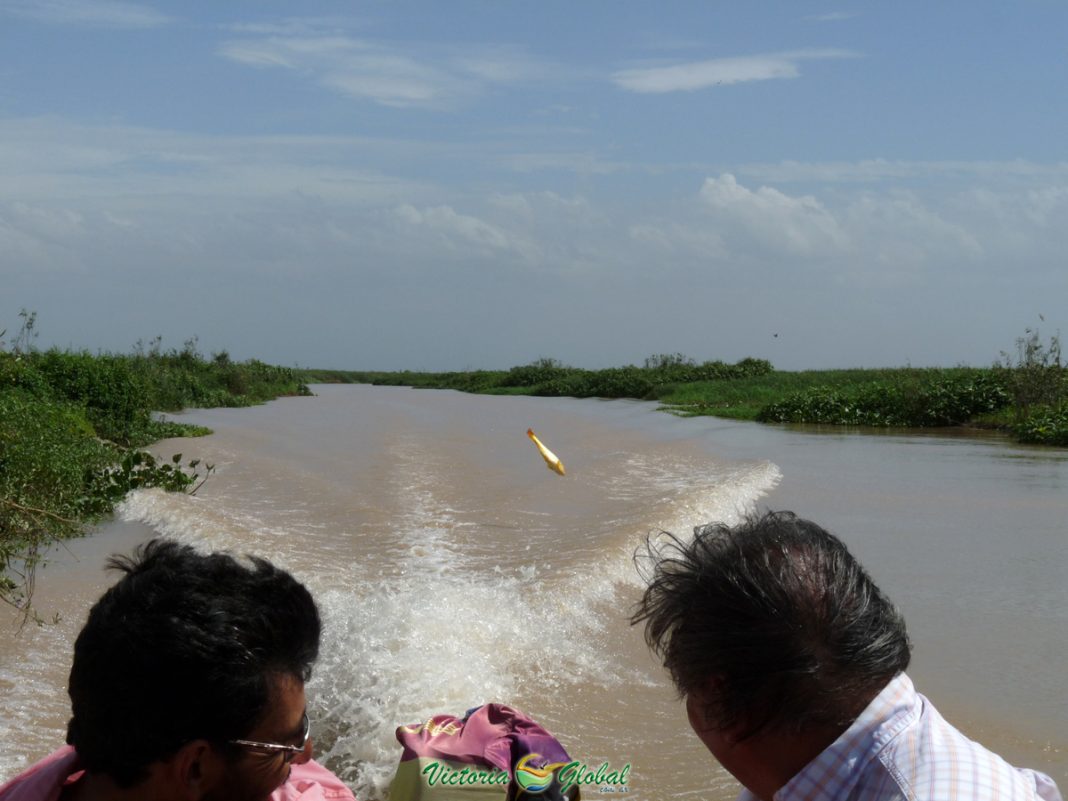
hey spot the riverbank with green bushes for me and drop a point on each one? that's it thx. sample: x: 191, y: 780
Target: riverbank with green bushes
x: 550, y: 378
x: 1026, y: 396
x: 73, y: 424
x: 72, y: 428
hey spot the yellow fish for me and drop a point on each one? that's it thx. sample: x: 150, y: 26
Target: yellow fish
x: 551, y: 459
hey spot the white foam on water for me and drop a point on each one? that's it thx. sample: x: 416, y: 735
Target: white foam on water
x: 420, y: 627
x: 215, y: 524
x: 207, y: 525
x: 727, y: 500
x: 438, y: 638
x: 727, y: 493
x: 35, y: 709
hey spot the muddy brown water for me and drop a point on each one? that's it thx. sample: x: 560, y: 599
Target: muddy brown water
x: 453, y: 568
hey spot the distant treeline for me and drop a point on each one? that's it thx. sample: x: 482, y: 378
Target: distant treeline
x: 72, y: 425
x: 1025, y: 394
x: 550, y: 378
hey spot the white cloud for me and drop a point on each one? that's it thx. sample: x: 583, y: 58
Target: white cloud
x: 882, y: 237
x: 499, y: 64
x: 42, y: 238
x: 898, y: 231
x: 680, y: 239
x: 327, y: 222
x: 550, y: 219
x: 703, y: 74
x: 796, y: 225
x: 53, y: 159
x: 256, y: 54
x: 580, y: 163
x: 395, y: 81
x: 295, y: 26
x: 695, y: 75
x: 1047, y: 206
x: 390, y: 74
x: 1018, y: 225
x: 88, y: 13
x: 880, y: 170
x: 459, y: 233
x: 832, y: 16
x: 121, y: 222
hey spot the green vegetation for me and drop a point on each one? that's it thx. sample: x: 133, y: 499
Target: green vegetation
x: 72, y: 425
x: 548, y: 377
x: 1047, y: 425
x: 927, y: 398
x: 1025, y: 394
x: 1037, y: 381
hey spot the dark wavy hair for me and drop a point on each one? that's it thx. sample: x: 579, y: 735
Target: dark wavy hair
x: 776, y: 617
x: 185, y: 646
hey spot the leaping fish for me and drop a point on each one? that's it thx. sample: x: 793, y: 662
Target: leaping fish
x: 551, y: 460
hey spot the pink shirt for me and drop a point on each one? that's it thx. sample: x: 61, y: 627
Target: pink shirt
x: 899, y: 749
x: 45, y: 780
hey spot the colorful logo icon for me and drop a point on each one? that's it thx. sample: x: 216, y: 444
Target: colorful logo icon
x: 533, y: 779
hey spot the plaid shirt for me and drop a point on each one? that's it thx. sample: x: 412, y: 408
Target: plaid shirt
x: 901, y: 749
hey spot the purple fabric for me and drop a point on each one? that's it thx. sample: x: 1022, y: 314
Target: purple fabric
x: 493, y: 734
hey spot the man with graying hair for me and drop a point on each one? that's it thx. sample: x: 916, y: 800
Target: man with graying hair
x: 188, y: 685
x: 791, y: 662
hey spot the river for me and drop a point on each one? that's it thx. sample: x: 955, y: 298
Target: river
x: 452, y: 568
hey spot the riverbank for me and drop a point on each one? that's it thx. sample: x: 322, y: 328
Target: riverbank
x: 72, y: 429
x: 1028, y: 401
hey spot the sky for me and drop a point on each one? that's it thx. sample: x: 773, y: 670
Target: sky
x: 463, y: 184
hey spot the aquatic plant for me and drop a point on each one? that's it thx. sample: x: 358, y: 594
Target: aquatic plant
x: 937, y: 399
x: 1047, y: 425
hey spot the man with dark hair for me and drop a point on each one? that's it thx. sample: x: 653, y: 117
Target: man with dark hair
x: 188, y: 683
x: 791, y: 662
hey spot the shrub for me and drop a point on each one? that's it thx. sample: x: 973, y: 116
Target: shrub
x: 16, y: 373
x: 115, y: 396
x: 619, y: 382
x: 955, y: 400
x: 48, y: 457
x: 938, y: 400
x: 70, y: 423
x: 1047, y: 425
x: 1035, y: 376
x: 56, y: 476
x: 539, y: 372
x: 814, y: 405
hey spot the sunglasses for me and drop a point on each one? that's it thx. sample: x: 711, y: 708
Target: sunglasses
x: 290, y: 752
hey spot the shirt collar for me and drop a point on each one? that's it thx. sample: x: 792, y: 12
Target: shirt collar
x: 837, y: 769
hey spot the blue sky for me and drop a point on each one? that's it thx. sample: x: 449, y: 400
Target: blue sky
x: 444, y: 185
